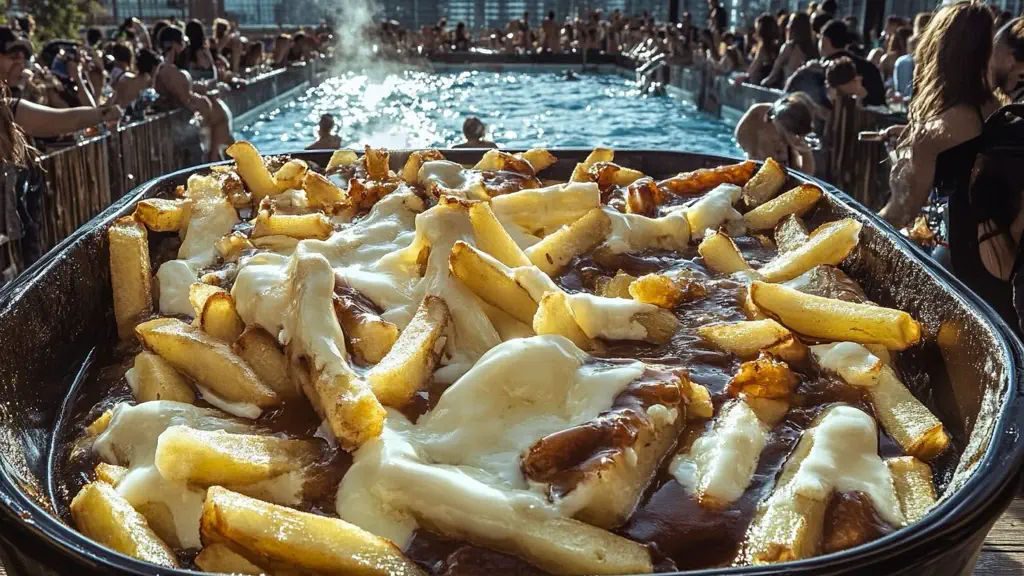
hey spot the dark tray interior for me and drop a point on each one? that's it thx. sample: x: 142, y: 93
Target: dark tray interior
x: 965, y: 370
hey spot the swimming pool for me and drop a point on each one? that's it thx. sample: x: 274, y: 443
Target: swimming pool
x: 420, y: 109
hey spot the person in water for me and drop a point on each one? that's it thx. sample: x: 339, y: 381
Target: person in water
x: 326, y: 138
x: 475, y: 131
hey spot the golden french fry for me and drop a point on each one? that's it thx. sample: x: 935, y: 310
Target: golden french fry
x: 485, y: 278
x: 409, y: 365
x: 555, y: 317
x: 257, y: 347
x: 492, y: 238
x: 548, y: 208
x: 315, y: 225
x: 836, y: 320
x: 765, y: 377
x: 556, y: 250
x: 538, y: 158
x: 704, y: 179
x: 323, y: 194
x: 215, y: 309
x: 829, y: 244
x: 579, y: 174
x: 745, y: 339
x: 221, y: 559
x: 152, y: 378
x: 99, y: 425
x: 797, y: 201
x: 615, y: 287
x: 342, y: 159
x: 370, y: 336
x: 306, y: 541
x: 253, y: 171
x: 495, y: 160
x: 232, y: 246
x: 131, y: 274
x: 764, y: 185
x: 110, y: 473
x: 912, y: 480
x: 411, y: 170
x: 211, y: 458
x: 207, y: 360
x: 665, y: 292
x: 790, y: 233
x: 163, y: 214
x: 909, y: 422
x: 375, y: 160
x: 290, y: 175
x: 105, y: 516
x: 698, y: 406
x: 721, y: 254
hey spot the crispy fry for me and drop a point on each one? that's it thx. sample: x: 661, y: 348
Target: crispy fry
x: 253, y: 171
x: 208, y: 361
x: 790, y: 233
x: 289, y: 176
x: 608, y: 174
x: 99, y: 425
x: 704, y: 179
x: 499, y: 160
x: 257, y: 347
x: 829, y: 244
x: 485, y: 278
x: 370, y: 336
x: 306, y: 541
x: 152, y: 378
x: 365, y: 194
x: 555, y: 317
x: 698, y: 405
x: 215, y: 310
x: 221, y: 559
x: 665, y: 292
x: 549, y: 208
x: 105, y: 516
x: 411, y: 170
x: 797, y: 201
x: 232, y: 246
x: 721, y: 254
x: 375, y: 160
x: 836, y: 320
x: 110, y: 473
x: 162, y: 214
x: 323, y: 194
x: 764, y: 185
x: 765, y: 377
x: 342, y: 159
x: 303, y: 226
x: 912, y: 480
x: 538, y: 158
x: 909, y: 422
x: 745, y: 339
x: 579, y: 174
x: 409, y: 365
x: 556, y: 250
x: 642, y: 197
x: 131, y: 275
x: 615, y: 287
x: 492, y: 238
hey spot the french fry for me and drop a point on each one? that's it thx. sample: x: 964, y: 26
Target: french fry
x: 485, y: 278
x: 342, y: 159
x: 704, y: 179
x: 836, y: 320
x: 105, y: 516
x: 764, y: 185
x: 633, y: 232
x: 411, y: 170
x: 556, y: 250
x: 829, y: 244
x: 538, y: 158
x: 215, y: 310
x: 409, y: 365
x: 797, y: 201
x: 208, y: 361
x: 370, y: 336
x: 253, y: 171
x: 642, y: 197
x: 290, y: 175
x: 492, y: 238
x: 555, y: 317
x: 221, y: 559
x: 260, y: 350
x: 131, y: 275
x: 232, y: 246
x: 765, y: 377
x: 909, y: 422
x: 699, y: 405
x: 912, y: 480
x: 608, y: 174
x: 495, y: 160
x: 579, y: 174
x: 211, y: 458
x: 155, y: 379
x: 323, y: 194
x: 375, y: 160
x: 99, y: 425
x: 315, y: 225
x: 665, y: 292
x: 548, y: 208
x: 790, y: 233
x: 163, y: 214
x: 110, y: 473
x: 721, y: 254
x: 306, y: 541
x: 768, y: 410
x: 615, y: 287
x: 745, y: 339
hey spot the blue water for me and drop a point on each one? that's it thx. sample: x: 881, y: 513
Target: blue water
x: 420, y: 109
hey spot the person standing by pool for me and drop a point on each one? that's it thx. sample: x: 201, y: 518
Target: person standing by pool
x: 475, y: 131
x: 549, y: 29
x: 326, y: 138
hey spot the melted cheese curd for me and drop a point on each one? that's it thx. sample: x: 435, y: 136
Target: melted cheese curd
x: 459, y: 467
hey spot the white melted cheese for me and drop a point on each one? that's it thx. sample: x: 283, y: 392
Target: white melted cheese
x: 453, y: 178
x: 714, y: 209
x: 721, y: 463
x: 462, y: 459
x: 853, y: 362
x: 547, y: 209
x: 844, y: 458
x: 633, y: 232
x: 240, y: 409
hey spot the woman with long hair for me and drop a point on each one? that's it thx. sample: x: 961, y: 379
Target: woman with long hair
x: 766, y: 33
x: 799, y: 48
x: 952, y: 98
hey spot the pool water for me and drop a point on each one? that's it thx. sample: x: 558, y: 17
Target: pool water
x: 420, y: 109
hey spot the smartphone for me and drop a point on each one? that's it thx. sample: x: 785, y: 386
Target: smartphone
x: 870, y: 136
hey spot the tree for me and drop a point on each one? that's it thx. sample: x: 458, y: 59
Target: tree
x: 58, y: 18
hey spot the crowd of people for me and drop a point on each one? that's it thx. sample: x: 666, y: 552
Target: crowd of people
x: 73, y: 87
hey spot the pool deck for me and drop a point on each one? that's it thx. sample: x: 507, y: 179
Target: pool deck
x: 1003, y: 552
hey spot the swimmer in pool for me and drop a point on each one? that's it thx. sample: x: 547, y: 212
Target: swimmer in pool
x: 326, y: 139
x: 570, y: 76
x: 475, y: 130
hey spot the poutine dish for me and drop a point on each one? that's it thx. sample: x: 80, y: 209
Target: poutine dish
x: 444, y: 369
